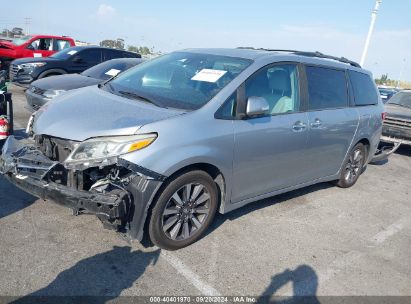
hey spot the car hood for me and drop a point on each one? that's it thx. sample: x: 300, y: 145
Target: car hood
x: 92, y: 112
x: 398, y: 112
x: 65, y: 82
x: 34, y: 59
x: 7, y: 45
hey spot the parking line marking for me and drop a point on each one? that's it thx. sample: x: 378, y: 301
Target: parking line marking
x: 381, y: 236
x: 192, y: 277
x: 339, y: 264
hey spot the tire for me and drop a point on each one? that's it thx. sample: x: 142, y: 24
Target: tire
x: 176, y: 221
x: 353, y: 166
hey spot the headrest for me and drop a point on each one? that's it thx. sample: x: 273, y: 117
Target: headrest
x: 279, y: 80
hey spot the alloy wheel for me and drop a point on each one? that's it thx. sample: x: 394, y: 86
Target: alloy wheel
x: 186, y: 211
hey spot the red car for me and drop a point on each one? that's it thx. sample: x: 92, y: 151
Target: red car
x: 32, y: 46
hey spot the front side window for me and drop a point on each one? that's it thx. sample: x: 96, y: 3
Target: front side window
x: 180, y: 80
x: 327, y: 88
x: 42, y: 44
x: 364, y: 89
x: 278, y: 85
x: 66, y: 53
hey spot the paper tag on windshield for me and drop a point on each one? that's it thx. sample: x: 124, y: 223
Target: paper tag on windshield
x: 37, y: 55
x: 72, y: 52
x: 209, y: 75
x: 112, y: 72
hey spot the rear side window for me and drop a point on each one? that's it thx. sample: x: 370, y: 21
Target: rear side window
x: 364, y: 89
x: 92, y: 56
x: 60, y: 44
x: 327, y: 88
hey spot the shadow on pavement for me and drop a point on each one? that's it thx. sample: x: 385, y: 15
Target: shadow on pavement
x: 404, y: 150
x: 221, y: 218
x: 12, y: 199
x: 304, y: 281
x: 97, y: 279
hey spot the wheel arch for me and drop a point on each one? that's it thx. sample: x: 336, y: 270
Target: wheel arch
x: 366, y: 143
x: 212, y: 170
x: 51, y: 71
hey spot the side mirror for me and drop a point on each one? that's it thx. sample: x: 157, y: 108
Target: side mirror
x: 30, y: 47
x: 77, y: 59
x: 257, y: 106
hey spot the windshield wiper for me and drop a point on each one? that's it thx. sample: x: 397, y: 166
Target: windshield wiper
x: 398, y: 104
x: 139, y: 97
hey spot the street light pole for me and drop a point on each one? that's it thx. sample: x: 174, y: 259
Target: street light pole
x: 370, y: 30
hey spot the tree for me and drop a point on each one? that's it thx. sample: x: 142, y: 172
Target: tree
x: 108, y: 43
x: 119, y: 44
x: 17, y: 31
x: 132, y: 48
x: 114, y: 44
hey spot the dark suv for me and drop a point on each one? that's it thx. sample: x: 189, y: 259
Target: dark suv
x: 72, y: 60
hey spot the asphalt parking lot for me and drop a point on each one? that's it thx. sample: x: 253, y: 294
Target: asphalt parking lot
x: 318, y: 241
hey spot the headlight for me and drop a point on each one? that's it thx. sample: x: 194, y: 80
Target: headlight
x: 52, y: 93
x: 32, y: 65
x: 103, y: 148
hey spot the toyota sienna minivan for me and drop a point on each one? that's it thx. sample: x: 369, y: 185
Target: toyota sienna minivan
x: 159, y: 149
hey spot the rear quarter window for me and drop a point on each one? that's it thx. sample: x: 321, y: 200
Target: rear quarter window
x: 327, y: 88
x: 364, y: 89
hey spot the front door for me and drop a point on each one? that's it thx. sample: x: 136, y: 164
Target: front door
x: 42, y: 47
x: 269, y: 151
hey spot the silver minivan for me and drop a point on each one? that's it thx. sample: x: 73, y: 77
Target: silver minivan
x: 159, y: 149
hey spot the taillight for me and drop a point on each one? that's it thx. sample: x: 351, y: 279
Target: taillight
x: 384, y: 115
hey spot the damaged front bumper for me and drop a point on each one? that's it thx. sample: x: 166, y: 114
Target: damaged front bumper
x: 118, y: 195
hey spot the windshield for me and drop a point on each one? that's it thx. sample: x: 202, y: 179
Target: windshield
x: 179, y: 80
x: 21, y: 40
x: 66, y: 53
x: 401, y: 98
x: 110, y: 68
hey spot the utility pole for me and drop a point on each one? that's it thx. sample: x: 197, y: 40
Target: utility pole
x: 370, y: 30
x: 27, y: 21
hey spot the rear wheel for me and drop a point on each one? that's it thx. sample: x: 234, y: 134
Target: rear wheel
x: 353, y: 166
x: 183, y: 211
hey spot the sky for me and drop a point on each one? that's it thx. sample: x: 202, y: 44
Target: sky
x: 334, y: 27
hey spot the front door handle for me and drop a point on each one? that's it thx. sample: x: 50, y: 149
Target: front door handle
x: 299, y: 126
x: 316, y: 124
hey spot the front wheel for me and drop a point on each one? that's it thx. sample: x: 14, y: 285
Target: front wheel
x: 353, y: 166
x: 183, y: 211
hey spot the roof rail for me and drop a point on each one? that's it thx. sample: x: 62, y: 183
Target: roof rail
x: 308, y: 54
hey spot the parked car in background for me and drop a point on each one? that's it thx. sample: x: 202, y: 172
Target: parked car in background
x: 397, y: 124
x: 165, y: 145
x: 386, y: 93
x: 72, y: 60
x: 32, y: 46
x: 43, y: 90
